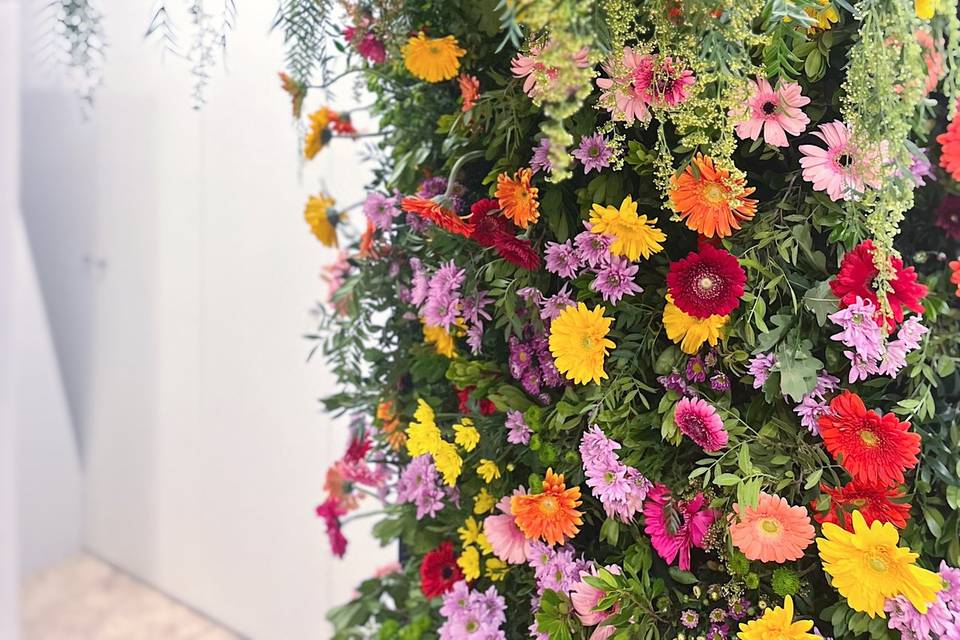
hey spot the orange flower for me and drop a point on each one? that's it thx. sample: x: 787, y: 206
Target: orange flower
x: 709, y: 199
x: 389, y: 423
x: 955, y: 274
x: 469, y: 91
x: 437, y: 214
x: 550, y: 515
x: 772, y: 531
x: 517, y: 198
x: 366, y: 249
x: 319, y: 134
x: 295, y: 90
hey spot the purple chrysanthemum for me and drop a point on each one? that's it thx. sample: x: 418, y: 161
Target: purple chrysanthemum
x: 541, y: 157
x: 419, y: 483
x: 760, y: 366
x: 381, y: 210
x: 517, y: 430
x: 562, y: 259
x: 594, y: 248
x: 615, y: 280
x: 594, y: 152
x: 550, y: 308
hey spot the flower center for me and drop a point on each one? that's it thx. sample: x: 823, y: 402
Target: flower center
x: 434, y: 49
x: 714, y: 193
x: 769, y: 108
x: 878, y: 564
x: 770, y: 526
x: 844, y: 160
x: 859, y: 502
x: 594, y: 152
x: 869, y: 438
x: 548, y: 505
x: 587, y: 343
x: 471, y: 626
x: 447, y: 573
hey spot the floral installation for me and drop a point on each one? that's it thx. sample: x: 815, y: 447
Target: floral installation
x: 651, y: 326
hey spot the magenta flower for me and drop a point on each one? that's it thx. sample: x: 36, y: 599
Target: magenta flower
x: 773, y: 113
x: 700, y: 422
x: 841, y: 170
x: 676, y: 526
x: 662, y: 84
x: 594, y: 152
x: 562, y: 259
x: 615, y: 280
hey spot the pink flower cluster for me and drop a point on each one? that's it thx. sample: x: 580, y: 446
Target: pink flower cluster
x: 619, y: 488
x: 942, y: 618
x: 538, y: 76
x: 420, y: 484
x: 868, y: 353
x: 472, y: 615
x: 367, y: 44
x: 438, y: 296
x: 555, y: 568
x: 636, y: 82
x: 676, y: 526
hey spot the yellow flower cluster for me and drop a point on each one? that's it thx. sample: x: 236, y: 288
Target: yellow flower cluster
x: 475, y: 545
x: 423, y: 437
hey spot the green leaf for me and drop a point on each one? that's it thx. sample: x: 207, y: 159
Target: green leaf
x: 726, y: 480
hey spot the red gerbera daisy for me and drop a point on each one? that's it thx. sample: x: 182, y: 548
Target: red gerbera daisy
x: 437, y: 214
x: 439, y: 571
x: 706, y: 283
x: 487, y: 408
x: 856, y: 276
x: 875, y: 449
x: 950, y: 149
x: 496, y: 232
x: 874, y: 503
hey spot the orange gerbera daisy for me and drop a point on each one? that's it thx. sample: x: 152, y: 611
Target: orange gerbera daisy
x: 955, y: 274
x: 469, y: 91
x: 709, y: 199
x: 517, y: 198
x: 772, y: 531
x: 437, y: 214
x: 550, y: 515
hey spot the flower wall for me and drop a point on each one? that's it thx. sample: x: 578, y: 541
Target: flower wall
x: 652, y: 328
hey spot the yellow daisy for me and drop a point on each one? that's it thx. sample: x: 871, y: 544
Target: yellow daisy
x: 441, y: 340
x: 467, y: 435
x: 777, y: 623
x: 579, y: 344
x: 634, y: 235
x: 432, y: 59
x: 690, y: 332
x: 483, y: 502
x: 469, y: 563
x: 469, y: 532
x: 867, y: 567
x: 318, y: 135
x: 495, y: 569
x: 322, y: 218
x: 488, y: 470
x: 448, y: 462
x: 423, y: 435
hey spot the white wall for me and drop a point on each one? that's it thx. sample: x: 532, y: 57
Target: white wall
x: 178, y: 272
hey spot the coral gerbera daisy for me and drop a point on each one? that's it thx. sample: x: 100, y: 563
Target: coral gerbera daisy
x: 437, y: 214
x: 773, y: 112
x: 690, y: 332
x: 579, y: 343
x: 319, y: 134
x: 700, y: 422
x: 439, y: 570
x: 873, y: 502
x: 708, y: 282
x: 873, y: 448
x: 709, y: 199
x: 950, y: 149
x: 676, y: 526
x: 322, y: 218
x: 772, y: 531
x: 432, y: 59
x: 633, y: 235
x: 867, y: 567
x: 517, y: 198
x: 550, y: 515
x: 857, y: 274
x: 469, y: 91
x: 841, y: 170
x: 777, y: 623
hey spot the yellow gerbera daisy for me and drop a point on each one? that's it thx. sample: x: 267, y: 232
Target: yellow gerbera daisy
x: 867, y: 567
x: 483, y: 502
x: 322, y: 219
x: 318, y: 135
x: 441, y: 340
x: 634, y: 235
x: 488, y: 470
x: 495, y: 569
x: 469, y: 563
x: 579, y: 344
x: 691, y: 332
x: 432, y: 59
x: 448, y: 462
x: 777, y: 623
x: 467, y: 435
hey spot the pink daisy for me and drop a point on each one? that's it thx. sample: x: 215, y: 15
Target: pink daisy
x: 841, y: 170
x: 508, y: 542
x: 619, y: 97
x: 699, y: 421
x: 676, y: 526
x: 663, y: 84
x: 774, y: 112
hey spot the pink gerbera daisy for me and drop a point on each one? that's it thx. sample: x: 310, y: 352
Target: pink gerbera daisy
x: 841, y: 169
x: 772, y: 531
x: 699, y: 421
x: 773, y: 112
x: 508, y: 542
x: 619, y: 97
x: 676, y: 526
x: 663, y: 84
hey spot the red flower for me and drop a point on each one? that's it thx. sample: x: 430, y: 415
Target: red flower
x: 706, y: 283
x: 331, y: 511
x: 874, y: 503
x: 856, y: 276
x: 955, y: 274
x: 497, y: 232
x: 437, y: 214
x: 439, y: 571
x: 875, y: 449
x: 950, y: 149
x: 357, y: 449
x: 487, y: 408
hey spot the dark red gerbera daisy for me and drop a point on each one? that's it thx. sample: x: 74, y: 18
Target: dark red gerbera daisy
x: 707, y: 282
x: 948, y: 215
x: 498, y: 233
x: 875, y: 449
x: 857, y: 273
x: 331, y: 511
x: 950, y: 149
x: 874, y: 503
x: 437, y: 214
x: 439, y: 571
x: 487, y: 408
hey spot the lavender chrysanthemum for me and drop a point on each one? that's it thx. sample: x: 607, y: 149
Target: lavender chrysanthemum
x: 541, y: 157
x: 594, y: 152
x: 517, y: 430
x: 420, y: 483
x: 760, y: 366
x: 615, y: 280
x: 550, y: 308
x: 381, y: 210
x: 594, y: 248
x: 562, y: 259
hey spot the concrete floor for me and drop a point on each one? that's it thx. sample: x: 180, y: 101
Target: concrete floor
x: 84, y: 598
